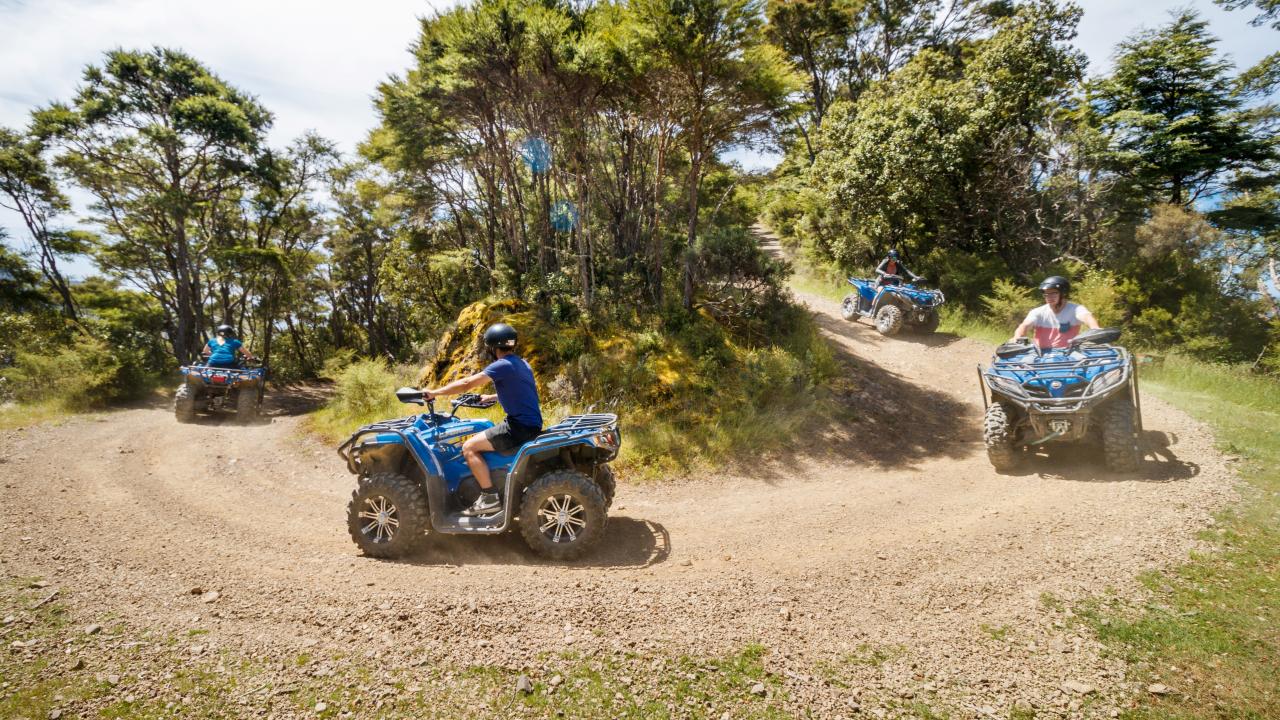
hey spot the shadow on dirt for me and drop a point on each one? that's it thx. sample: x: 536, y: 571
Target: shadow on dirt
x: 627, y: 543
x: 894, y: 422
x: 1082, y: 462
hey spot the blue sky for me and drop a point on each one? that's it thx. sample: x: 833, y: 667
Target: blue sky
x: 315, y: 64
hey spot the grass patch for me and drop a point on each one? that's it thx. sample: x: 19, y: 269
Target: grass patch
x: 17, y: 415
x: 1211, y: 631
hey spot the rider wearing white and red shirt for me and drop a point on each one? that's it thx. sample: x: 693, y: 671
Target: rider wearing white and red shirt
x: 1057, y: 321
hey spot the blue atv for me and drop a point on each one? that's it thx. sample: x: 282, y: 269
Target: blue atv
x: 1085, y: 391
x: 412, y: 478
x: 217, y: 389
x: 892, y: 305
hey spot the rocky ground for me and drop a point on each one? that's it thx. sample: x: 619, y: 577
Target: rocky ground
x: 882, y: 569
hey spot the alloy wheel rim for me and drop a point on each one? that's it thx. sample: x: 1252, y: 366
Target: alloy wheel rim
x: 561, y: 518
x: 382, y: 519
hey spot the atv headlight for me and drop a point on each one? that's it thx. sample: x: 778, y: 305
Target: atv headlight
x: 1106, y: 381
x: 1005, y: 385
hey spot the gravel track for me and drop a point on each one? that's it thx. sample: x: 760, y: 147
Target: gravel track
x: 882, y: 564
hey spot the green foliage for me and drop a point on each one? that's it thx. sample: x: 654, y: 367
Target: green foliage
x: 1176, y: 124
x: 363, y: 393
x: 84, y: 375
x: 1008, y: 303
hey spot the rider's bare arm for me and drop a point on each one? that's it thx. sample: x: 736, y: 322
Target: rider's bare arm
x: 1087, y: 318
x: 1022, y: 330
x: 459, y: 386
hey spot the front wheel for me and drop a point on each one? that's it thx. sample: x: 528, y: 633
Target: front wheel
x: 562, y: 515
x: 387, y: 515
x: 1120, y: 437
x: 999, y: 436
x: 849, y: 307
x: 930, y: 324
x: 889, y: 320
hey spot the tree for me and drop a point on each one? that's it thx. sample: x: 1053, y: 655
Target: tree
x: 158, y: 140
x: 728, y: 85
x: 1177, y: 129
x: 31, y: 191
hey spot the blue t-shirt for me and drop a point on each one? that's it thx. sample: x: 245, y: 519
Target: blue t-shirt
x: 517, y: 391
x: 223, y: 355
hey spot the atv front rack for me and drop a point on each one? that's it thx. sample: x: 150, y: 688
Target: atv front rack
x: 397, y: 426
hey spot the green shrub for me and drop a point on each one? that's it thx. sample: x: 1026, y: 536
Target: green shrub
x: 87, y: 374
x: 1008, y: 303
x: 1097, y: 291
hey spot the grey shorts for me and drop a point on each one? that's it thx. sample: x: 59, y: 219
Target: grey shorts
x: 507, y: 436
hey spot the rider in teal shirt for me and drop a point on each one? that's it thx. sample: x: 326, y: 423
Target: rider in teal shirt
x: 223, y: 349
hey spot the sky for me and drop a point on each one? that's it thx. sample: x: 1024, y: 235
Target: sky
x: 315, y: 64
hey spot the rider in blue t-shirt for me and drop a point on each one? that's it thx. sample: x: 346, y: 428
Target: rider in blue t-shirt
x: 517, y: 393
x: 223, y: 350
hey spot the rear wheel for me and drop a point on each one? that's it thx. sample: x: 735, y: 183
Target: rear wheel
x: 999, y: 436
x: 387, y: 515
x: 562, y: 515
x: 889, y: 319
x: 1120, y: 437
x: 849, y: 307
x: 184, y: 403
x: 247, y: 404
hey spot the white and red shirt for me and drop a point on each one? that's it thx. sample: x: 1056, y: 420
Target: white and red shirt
x: 1055, y: 330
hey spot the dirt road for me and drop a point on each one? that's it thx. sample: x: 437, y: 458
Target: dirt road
x: 884, y: 569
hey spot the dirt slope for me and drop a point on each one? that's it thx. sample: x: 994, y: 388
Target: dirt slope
x: 884, y: 565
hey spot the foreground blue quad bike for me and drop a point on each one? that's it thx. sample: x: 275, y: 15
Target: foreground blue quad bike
x: 412, y: 477
x: 1087, y: 391
x: 893, y: 305
x: 216, y: 389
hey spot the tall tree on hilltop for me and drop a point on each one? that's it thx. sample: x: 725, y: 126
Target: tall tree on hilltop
x: 157, y: 139
x: 1177, y: 128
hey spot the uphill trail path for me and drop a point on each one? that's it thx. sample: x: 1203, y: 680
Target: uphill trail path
x: 882, y: 564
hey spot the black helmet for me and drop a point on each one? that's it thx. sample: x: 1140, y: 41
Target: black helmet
x: 1056, y: 282
x: 225, y: 331
x: 500, y: 335
x: 893, y: 253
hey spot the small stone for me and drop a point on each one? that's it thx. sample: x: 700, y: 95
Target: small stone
x: 93, y: 629
x: 524, y: 685
x: 210, y: 596
x: 555, y: 681
x: 55, y: 714
x: 113, y: 680
x: 321, y: 707
x: 758, y: 690
x: 39, y: 584
x: 197, y: 649
x: 197, y: 590
x: 1077, y: 687
x: 8, y: 620
x: 1159, y: 689
x: 785, y: 613
x: 77, y: 664
x: 686, y: 563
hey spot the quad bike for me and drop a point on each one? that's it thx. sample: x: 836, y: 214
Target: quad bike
x: 412, y: 478
x: 892, y: 304
x: 1085, y: 391
x: 217, y: 389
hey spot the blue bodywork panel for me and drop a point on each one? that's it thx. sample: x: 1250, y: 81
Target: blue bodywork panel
x: 920, y: 297
x: 1058, y: 372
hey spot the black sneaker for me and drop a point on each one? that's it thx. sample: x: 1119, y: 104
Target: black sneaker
x: 487, y: 504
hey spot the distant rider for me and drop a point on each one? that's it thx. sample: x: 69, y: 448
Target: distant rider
x: 1057, y: 321
x: 891, y: 270
x: 224, y: 349
x: 517, y: 393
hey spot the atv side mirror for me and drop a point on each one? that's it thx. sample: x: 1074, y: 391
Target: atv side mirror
x: 410, y: 395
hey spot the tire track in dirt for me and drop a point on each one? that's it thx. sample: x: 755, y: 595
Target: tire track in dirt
x: 890, y: 533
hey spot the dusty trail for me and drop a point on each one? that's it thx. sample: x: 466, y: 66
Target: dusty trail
x: 891, y: 536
